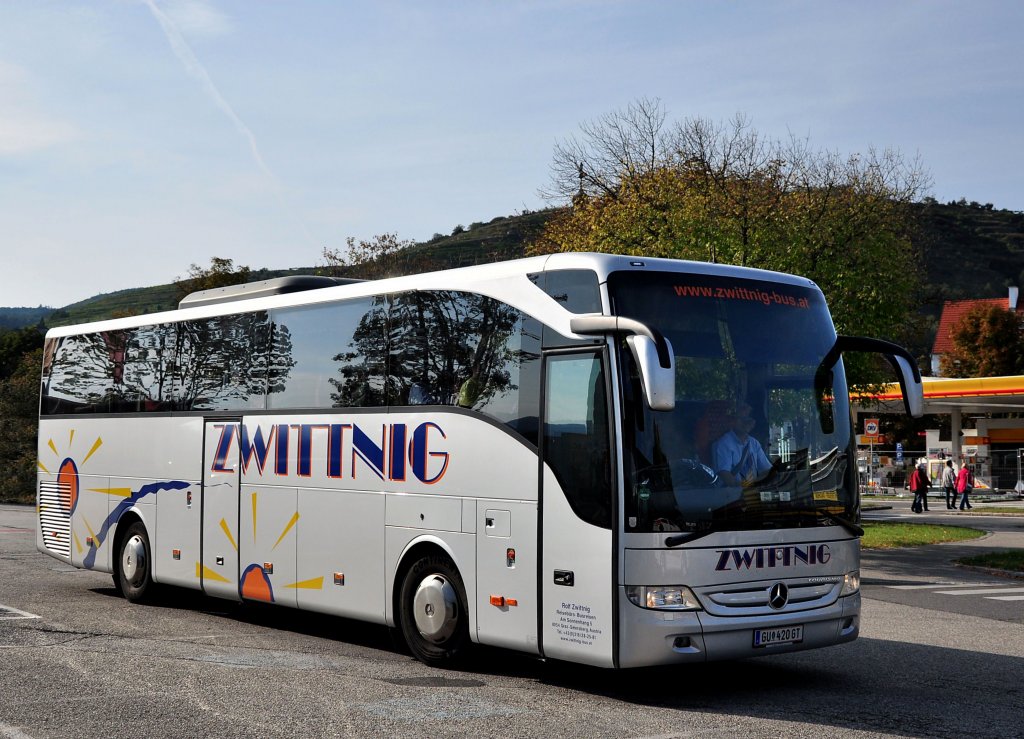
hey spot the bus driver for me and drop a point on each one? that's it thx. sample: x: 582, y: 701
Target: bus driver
x: 738, y: 456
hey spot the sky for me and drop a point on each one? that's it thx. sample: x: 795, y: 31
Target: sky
x: 140, y: 137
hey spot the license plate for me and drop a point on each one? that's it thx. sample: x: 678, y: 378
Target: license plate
x: 779, y: 635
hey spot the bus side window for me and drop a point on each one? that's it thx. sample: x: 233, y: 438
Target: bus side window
x: 335, y: 355
x: 576, y: 435
x: 462, y: 349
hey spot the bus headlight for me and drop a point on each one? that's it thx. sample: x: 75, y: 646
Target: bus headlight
x: 663, y: 597
x: 851, y: 583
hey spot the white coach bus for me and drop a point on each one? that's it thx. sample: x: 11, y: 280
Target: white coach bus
x: 562, y: 455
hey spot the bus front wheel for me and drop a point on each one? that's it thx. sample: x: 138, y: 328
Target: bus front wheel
x: 434, y: 617
x: 134, y: 564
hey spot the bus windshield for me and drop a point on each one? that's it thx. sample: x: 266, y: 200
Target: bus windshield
x: 760, y: 434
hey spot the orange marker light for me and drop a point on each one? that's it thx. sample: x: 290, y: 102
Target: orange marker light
x: 498, y: 600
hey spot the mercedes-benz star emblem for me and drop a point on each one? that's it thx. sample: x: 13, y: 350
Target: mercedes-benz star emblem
x: 778, y: 596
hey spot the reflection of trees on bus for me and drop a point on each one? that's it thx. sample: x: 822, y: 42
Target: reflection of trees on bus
x: 227, y: 360
x: 441, y: 348
x: 213, y: 363
x: 456, y: 345
x: 360, y: 369
x: 435, y: 348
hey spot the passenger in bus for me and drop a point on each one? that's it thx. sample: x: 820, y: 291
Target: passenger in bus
x: 738, y: 456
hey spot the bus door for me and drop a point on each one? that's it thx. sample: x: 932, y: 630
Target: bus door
x: 221, y: 456
x: 577, y: 619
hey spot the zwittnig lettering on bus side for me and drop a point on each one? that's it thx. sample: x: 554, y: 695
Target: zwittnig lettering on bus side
x: 761, y: 558
x: 391, y: 451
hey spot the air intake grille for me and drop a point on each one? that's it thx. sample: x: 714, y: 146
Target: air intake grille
x: 753, y: 599
x: 54, y: 521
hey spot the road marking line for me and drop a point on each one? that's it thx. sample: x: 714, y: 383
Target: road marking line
x: 8, y: 613
x: 12, y: 732
x: 989, y: 591
x: 1006, y: 597
x: 933, y: 585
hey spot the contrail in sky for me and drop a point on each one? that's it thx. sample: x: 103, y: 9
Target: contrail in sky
x: 195, y: 68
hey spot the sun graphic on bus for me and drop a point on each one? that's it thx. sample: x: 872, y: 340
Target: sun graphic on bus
x: 62, y: 497
x: 254, y: 582
x: 65, y: 494
x: 67, y: 472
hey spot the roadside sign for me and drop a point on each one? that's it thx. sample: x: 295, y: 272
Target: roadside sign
x: 899, y: 452
x: 871, y: 427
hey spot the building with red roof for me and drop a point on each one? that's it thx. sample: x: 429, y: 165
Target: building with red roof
x: 953, y: 311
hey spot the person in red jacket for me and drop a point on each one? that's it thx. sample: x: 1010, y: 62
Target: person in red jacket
x: 964, y: 485
x: 919, y: 487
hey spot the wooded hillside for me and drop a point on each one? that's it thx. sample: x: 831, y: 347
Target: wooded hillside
x: 968, y: 250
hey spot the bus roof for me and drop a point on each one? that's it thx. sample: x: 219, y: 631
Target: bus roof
x: 507, y: 281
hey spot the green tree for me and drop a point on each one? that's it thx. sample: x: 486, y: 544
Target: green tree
x: 19, y: 418
x: 987, y: 342
x: 724, y: 193
x: 385, y: 255
x: 14, y: 345
x: 221, y: 273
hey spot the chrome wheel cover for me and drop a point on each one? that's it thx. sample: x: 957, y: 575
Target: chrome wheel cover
x: 436, y: 608
x: 133, y: 561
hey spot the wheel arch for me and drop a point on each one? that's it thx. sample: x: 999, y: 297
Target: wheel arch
x: 130, y: 516
x: 420, y: 547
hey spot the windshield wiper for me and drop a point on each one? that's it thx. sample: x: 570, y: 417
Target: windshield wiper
x: 826, y: 457
x: 842, y: 521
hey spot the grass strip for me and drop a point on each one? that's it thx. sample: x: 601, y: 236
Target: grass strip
x: 1012, y: 559
x: 890, y: 535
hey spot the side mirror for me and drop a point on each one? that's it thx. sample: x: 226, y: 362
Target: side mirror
x: 659, y: 382
x: 651, y: 350
x: 901, y: 360
x: 910, y: 384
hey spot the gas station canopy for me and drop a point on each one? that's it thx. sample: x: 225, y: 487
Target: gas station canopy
x: 963, y: 394
x: 956, y: 396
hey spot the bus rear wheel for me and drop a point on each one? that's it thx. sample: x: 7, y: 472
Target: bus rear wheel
x: 434, y: 618
x: 134, y: 575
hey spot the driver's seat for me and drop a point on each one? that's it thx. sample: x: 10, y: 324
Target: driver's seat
x: 714, y: 422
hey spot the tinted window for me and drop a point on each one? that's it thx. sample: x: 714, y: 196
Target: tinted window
x: 110, y: 372
x: 466, y: 350
x: 576, y: 435
x: 576, y: 290
x: 142, y: 369
x: 82, y: 375
x: 338, y: 355
x: 226, y: 362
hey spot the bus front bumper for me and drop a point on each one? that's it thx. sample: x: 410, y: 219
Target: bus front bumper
x: 649, y: 637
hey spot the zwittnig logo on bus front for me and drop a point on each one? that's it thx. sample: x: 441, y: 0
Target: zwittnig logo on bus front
x: 764, y: 557
x: 287, y: 447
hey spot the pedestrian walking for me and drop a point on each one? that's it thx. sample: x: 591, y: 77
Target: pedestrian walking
x: 964, y: 486
x: 949, y: 485
x: 919, y: 487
